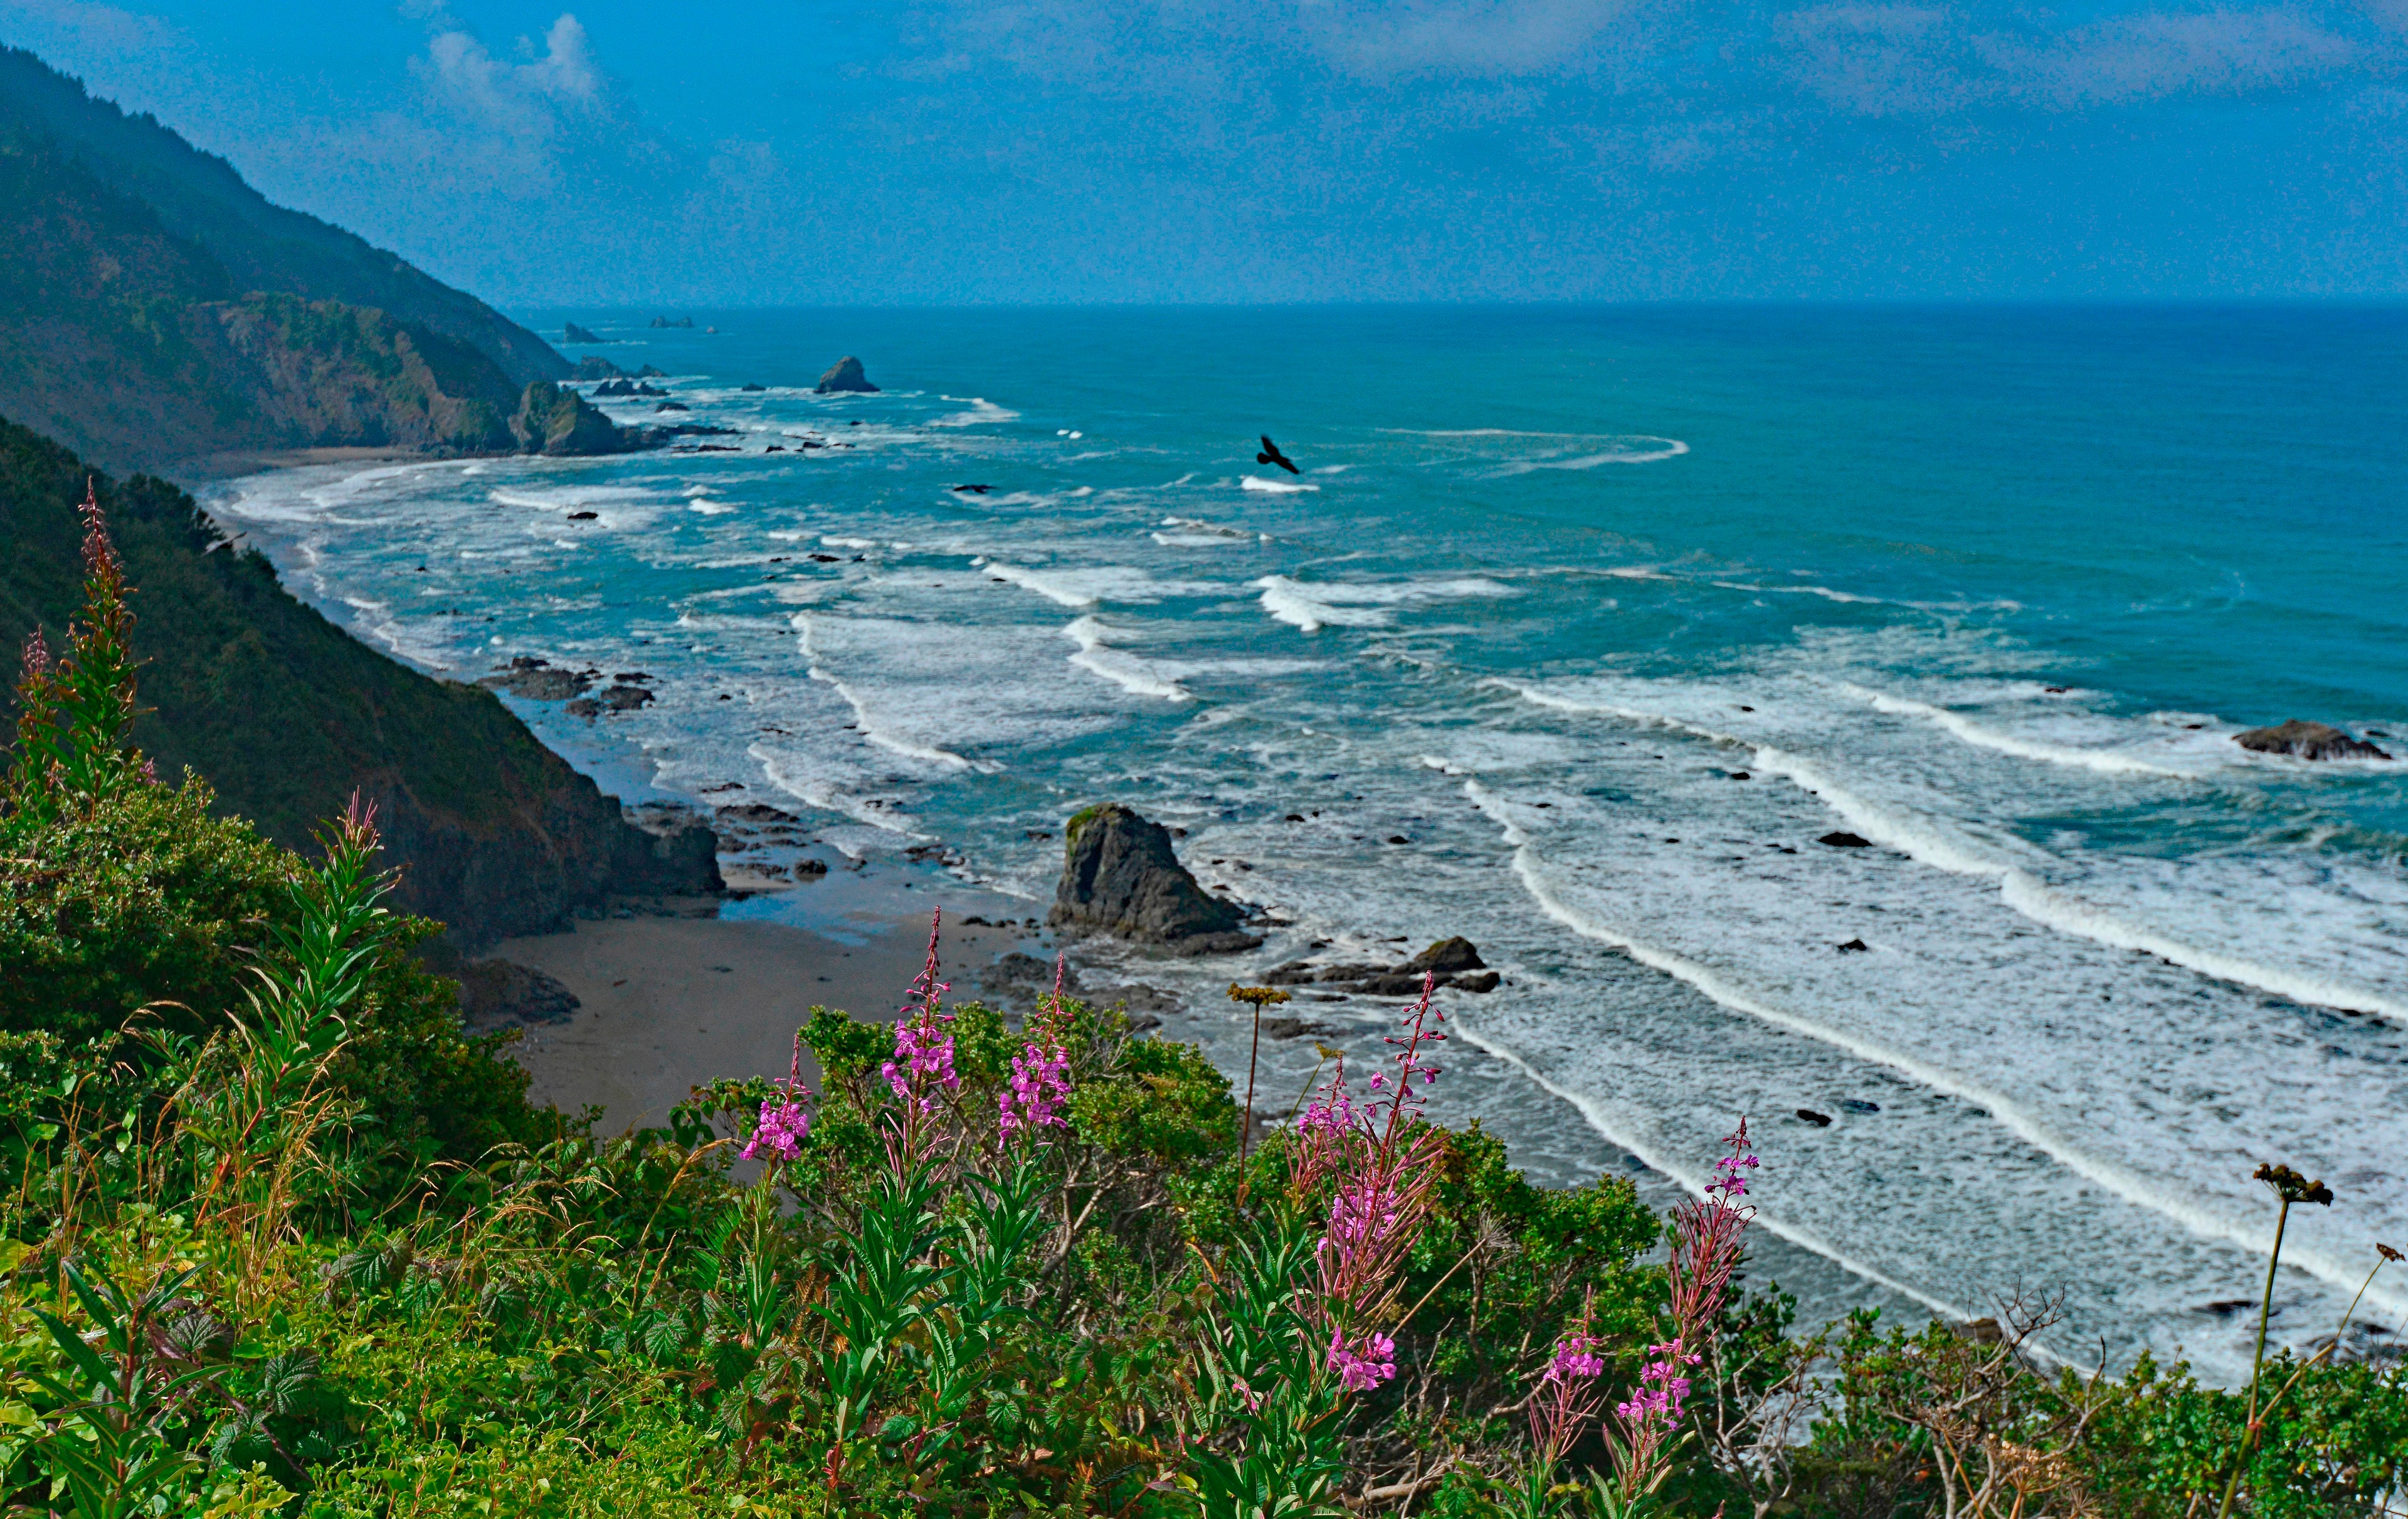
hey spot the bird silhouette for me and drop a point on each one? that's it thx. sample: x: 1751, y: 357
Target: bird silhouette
x: 1272, y: 455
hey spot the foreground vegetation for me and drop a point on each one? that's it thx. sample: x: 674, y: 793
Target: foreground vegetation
x: 280, y: 1238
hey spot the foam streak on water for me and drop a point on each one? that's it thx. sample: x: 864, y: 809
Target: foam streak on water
x: 1463, y: 677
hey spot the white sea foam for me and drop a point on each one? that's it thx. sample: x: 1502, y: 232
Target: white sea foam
x: 1275, y: 487
x: 2106, y: 762
x: 1090, y: 585
x: 1943, y: 846
x: 1311, y: 605
x: 2146, y: 1189
x: 836, y: 542
x: 1193, y: 533
x: 1823, y: 590
x: 1123, y: 669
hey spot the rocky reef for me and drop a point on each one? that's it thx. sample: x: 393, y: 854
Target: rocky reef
x: 572, y: 333
x: 1121, y: 877
x: 2307, y: 741
x: 1450, y: 961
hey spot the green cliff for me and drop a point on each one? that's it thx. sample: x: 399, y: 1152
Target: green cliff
x: 200, y: 200
x: 286, y: 715
x: 155, y: 310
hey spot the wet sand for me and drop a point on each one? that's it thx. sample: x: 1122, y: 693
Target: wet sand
x: 667, y: 1002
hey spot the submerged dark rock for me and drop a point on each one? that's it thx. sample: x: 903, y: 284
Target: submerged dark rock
x: 748, y: 385
x: 1121, y: 877
x: 1844, y: 840
x: 534, y: 680
x: 2307, y: 741
x: 1818, y: 1119
x: 845, y: 374
x: 1855, y: 946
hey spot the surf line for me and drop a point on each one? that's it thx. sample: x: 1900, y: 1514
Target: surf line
x: 2022, y: 892
x: 2124, y: 1182
x: 1694, y: 1183
x: 2106, y: 762
x: 2062, y: 911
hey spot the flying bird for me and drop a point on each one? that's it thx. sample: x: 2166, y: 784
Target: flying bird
x: 1272, y: 455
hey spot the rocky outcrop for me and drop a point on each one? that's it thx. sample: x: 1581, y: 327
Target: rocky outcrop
x: 844, y: 376
x: 496, y: 993
x: 556, y: 421
x: 572, y: 333
x: 1120, y: 877
x: 595, y: 367
x: 1450, y: 961
x: 535, y: 680
x: 2307, y: 741
x: 664, y: 321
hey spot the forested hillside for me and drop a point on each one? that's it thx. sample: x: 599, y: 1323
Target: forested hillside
x: 286, y: 715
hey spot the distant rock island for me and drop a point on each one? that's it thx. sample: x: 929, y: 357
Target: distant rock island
x: 668, y: 322
x: 2307, y: 741
x: 844, y: 375
x: 595, y: 367
x: 572, y: 333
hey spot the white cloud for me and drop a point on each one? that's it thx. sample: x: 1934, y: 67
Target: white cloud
x: 1903, y: 60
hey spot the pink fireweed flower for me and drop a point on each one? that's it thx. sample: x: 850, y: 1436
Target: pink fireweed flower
x: 1041, y: 1084
x: 923, y: 1046
x: 1730, y: 1178
x: 1363, y: 1365
x: 780, y: 1133
x: 1576, y: 1360
x: 1661, y: 1388
x: 784, y: 1122
x: 1568, y: 1394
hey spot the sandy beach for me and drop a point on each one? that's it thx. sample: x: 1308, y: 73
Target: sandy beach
x: 667, y: 1002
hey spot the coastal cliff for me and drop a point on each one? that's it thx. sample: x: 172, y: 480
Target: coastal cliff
x: 156, y: 311
x: 286, y: 715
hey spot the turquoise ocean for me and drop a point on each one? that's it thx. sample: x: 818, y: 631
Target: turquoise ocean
x: 1578, y: 630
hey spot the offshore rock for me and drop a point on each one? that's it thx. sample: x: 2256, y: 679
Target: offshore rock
x: 595, y: 367
x: 1446, y: 957
x: 556, y: 421
x: 844, y: 375
x: 1120, y: 877
x: 2307, y: 741
x: 572, y: 333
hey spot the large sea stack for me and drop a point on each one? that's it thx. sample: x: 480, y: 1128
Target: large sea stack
x: 2307, y: 741
x: 844, y: 375
x: 1119, y: 877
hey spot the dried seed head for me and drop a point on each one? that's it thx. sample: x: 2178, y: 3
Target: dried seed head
x: 2291, y: 1186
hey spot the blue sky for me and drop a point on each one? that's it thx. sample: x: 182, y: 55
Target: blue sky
x: 776, y: 151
